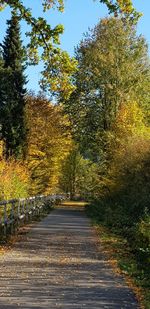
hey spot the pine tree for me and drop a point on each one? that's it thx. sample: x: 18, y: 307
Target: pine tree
x: 1, y: 71
x: 12, y: 91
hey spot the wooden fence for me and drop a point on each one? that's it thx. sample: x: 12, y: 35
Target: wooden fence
x: 17, y: 211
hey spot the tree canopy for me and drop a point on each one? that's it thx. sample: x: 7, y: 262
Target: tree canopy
x: 125, y: 6
x: 58, y: 65
x: 101, y: 152
x: 49, y: 141
x: 113, y: 68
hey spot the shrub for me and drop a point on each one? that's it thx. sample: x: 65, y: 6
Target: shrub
x: 14, y: 180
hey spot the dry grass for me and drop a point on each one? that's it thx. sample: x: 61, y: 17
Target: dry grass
x: 74, y: 204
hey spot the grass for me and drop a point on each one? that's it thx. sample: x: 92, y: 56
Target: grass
x: 121, y: 257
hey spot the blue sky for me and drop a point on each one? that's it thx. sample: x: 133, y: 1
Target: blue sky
x: 79, y: 15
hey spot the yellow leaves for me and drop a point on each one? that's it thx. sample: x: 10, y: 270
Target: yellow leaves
x: 122, y: 6
x: 125, y: 5
x: 57, y: 76
x: 2, y: 7
x: 14, y: 179
x: 1, y: 149
x: 128, y: 149
x: 129, y: 120
x: 59, y: 67
x: 33, y: 55
x: 49, y: 141
x: 48, y: 4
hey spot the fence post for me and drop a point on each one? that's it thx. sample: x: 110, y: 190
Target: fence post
x: 23, y: 209
x: 18, y: 213
x: 12, y: 218
x: 5, y: 220
x: 26, y: 207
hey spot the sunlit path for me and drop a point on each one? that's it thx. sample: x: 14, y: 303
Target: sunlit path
x: 58, y: 266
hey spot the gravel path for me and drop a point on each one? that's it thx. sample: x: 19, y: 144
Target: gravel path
x: 58, y: 266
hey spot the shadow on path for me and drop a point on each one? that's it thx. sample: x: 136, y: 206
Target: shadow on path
x: 58, y: 266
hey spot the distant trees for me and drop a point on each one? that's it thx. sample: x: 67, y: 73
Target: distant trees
x: 12, y: 91
x: 78, y: 175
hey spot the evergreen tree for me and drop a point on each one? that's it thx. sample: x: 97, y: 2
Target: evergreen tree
x: 12, y: 91
x: 1, y: 70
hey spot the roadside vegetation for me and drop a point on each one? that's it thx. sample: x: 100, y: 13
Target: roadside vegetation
x: 94, y: 142
x: 123, y: 259
x: 113, y: 134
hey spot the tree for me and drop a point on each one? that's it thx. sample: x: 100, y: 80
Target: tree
x: 124, y: 6
x: 49, y: 141
x: 1, y: 71
x: 13, y: 91
x: 58, y: 66
x: 78, y: 175
x: 113, y: 68
x: 128, y: 174
x: 70, y: 171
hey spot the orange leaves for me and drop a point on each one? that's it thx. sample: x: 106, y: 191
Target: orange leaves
x: 49, y: 141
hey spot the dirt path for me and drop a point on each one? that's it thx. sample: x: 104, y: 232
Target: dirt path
x: 58, y: 266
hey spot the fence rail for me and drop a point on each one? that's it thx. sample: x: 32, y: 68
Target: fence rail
x: 15, y: 211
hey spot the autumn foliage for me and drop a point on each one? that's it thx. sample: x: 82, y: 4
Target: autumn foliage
x: 94, y: 143
x: 124, y: 190
x: 14, y: 178
x: 49, y: 141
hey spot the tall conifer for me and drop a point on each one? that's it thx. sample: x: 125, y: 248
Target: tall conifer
x: 12, y: 91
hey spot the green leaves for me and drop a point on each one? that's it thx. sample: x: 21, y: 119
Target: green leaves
x: 113, y: 68
x: 57, y: 72
x: 48, y: 4
x: 56, y: 79
x: 125, y: 7
x: 44, y: 45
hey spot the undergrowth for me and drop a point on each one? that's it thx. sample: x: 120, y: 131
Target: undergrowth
x: 129, y: 250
